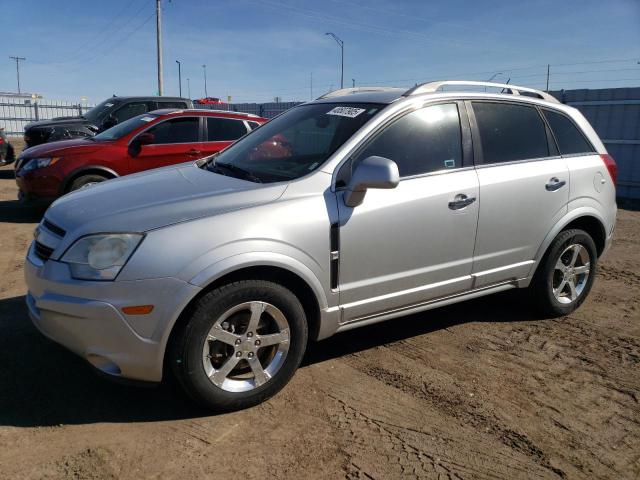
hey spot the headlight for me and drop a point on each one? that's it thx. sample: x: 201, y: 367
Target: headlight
x: 100, y: 257
x: 35, y: 163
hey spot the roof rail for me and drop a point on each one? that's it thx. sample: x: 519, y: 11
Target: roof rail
x: 431, y: 87
x: 348, y: 91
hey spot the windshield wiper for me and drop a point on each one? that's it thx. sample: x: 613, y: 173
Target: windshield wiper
x: 246, y: 174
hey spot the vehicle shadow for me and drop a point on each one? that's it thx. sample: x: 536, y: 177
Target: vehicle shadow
x: 6, y: 174
x: 43, y: 384
x: 12, y: 211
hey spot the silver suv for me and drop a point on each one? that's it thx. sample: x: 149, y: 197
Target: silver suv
x: 361, y: 206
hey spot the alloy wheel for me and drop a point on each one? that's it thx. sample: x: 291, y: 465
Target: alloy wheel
x: 570, y: 274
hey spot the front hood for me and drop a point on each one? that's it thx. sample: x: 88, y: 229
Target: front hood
x: 62, y: 147
x: 55, y: 122
x: 156, y: 198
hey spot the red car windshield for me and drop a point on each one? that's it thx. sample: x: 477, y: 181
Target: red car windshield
x: 295, y: 143
x: 124, y: 128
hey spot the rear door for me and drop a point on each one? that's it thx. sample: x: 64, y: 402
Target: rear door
x: 524, y: 188
x: 221, y: 132
x: 176, y: 140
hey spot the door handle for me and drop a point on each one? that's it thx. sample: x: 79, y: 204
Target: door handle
x: 461, y: 201
x: 555, y: 184
x: 193, y: 151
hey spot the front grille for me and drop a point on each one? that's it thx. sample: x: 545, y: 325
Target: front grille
x: 53, y: 228
x: 42, y: 251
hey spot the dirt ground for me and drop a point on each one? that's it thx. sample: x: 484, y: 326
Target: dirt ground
x: 482, y: 389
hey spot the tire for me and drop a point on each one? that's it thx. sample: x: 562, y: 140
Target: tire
x: 551, y: 286
x: 214, y: 341
x: 85, y: 180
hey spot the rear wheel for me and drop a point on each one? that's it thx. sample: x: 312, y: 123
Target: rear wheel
x: 241, y: 344
x: 86, y: 180
x: 566, y: 273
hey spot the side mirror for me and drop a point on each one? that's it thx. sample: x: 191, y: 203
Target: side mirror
x: 109, y: 122
x: 146, y: 138
x: 372, y: 172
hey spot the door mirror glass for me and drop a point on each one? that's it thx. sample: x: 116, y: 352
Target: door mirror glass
x: 372, y: 172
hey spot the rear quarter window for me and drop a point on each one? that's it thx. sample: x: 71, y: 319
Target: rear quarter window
x: 569, y: 138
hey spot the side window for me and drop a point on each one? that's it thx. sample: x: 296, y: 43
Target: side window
x: 180, y: 105
x: 254, y: 125
x: 177, y: 130
x: 510, y: 132
x: 423, y: 141
x: 224, y: 129
x: 569, y: 138
x: 130, y: 110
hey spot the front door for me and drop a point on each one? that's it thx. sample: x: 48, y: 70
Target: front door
x: 414, y: 243
x: 174, y: 141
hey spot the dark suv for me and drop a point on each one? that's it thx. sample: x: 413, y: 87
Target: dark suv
x: 101, y: 117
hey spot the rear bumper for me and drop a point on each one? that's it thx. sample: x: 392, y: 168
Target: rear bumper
x: 87, y: 318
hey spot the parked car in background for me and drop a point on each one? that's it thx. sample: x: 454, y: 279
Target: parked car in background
x: 151, y: 140
x: 361, y: 206
x: 209, y: 101
x: 7, y: 154
x: 103, y: 116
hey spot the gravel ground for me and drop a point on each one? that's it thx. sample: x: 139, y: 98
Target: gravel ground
x: 483, y: 389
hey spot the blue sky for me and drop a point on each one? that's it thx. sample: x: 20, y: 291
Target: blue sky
x: 258, y: 49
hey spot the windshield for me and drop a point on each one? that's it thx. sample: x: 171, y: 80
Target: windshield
x: 295, y: 143
x: 96, y: 112
x: 122, y: 129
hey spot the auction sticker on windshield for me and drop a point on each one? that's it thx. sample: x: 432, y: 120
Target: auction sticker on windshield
x: 350, y: 112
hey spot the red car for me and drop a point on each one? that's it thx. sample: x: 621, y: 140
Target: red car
x: 151, y: 140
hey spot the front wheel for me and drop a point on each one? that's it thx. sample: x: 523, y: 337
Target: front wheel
x: 241, y: 344
x: 86, y: 181
x: 566, y: 274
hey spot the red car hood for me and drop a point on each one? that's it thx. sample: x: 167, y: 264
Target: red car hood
x: 63, y: 147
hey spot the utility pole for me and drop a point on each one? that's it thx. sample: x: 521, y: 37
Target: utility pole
x: 548, y: 68
x: 189, y: 87
x: 341, y: 43
x: 17, y: 59
x: 159, y: 44
x: 311, y: 87
x: 179, y: 76
x: 353, y: 83
x: 204, y: 71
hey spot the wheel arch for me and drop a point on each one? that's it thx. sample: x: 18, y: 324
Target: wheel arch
x: 86, y: 170
x: 586, y: 219
x: 294, y: 281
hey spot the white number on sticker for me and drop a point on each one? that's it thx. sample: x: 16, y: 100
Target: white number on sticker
x: 350, y: 112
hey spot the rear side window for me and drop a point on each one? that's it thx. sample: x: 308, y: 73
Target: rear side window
x: 254, y: 125
x: 224, y: 129
x: 180, y: 105
x: 423, y: 141
x: 129, y: 110
x: 569, y: 138
x: 177, y: 130
x: 510, y: 132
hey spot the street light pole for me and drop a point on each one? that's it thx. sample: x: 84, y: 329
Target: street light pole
x: 179, y: 77
x: 204, y: 71
x: 159, y: 44
x: 189, y: 87
x: 341, y: 43
x: 17, y: 59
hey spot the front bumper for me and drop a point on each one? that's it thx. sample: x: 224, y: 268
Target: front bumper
x: 86, y: 317
x: 38, y: 184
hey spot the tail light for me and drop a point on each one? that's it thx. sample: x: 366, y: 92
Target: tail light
x: 610, y: 163
x: 1, y: 140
